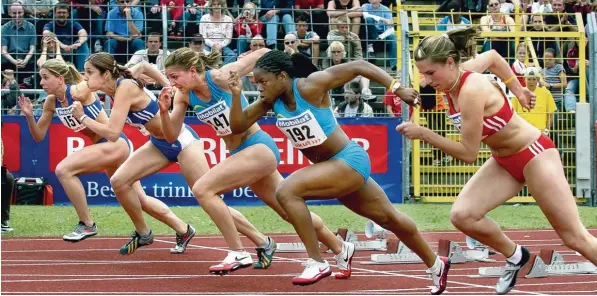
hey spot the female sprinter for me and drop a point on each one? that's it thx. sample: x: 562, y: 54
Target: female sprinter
x: 64, y: 86
x: 254, y: 155
x: 135, y: 105
x: 341, y: 167
x: 520, y: 152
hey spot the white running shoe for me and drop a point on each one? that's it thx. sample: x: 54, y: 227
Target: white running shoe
x: 235, y: 260
x: 344, y: 260
x: 313, y: 273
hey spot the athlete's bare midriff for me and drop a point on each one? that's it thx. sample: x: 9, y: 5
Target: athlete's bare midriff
x: 516, y: 136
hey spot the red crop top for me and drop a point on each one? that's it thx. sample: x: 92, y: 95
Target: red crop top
x: 491, y: 124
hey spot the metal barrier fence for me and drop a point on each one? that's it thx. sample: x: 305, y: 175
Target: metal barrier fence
x: 592, y: 78
x: 182, y: 32
x: 437, y: 177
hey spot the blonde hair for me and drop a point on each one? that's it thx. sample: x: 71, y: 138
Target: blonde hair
x: 185, y: 58
x: 459, y: 44
x: 60, y: 68
x: 223, y: 7
x: 336, y: 45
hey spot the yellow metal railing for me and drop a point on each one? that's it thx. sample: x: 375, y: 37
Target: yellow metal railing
x: 439, y: 178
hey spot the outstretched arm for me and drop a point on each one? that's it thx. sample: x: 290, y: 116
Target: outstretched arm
x: 241, y: 120
x: 150, y: 71
x: 494, y: 62
x: 243, y: 66
x: 321, y: 82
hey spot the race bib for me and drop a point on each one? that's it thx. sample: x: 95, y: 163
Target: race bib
x: 67, y: 118
x: 456, y: 120
x: 140, y: 127
x: 303, y: 131
x: 218, y: 117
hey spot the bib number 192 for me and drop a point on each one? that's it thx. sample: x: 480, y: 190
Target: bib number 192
x: 299, y: 133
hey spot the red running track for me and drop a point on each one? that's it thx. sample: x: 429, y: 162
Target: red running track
x: 93, y: 266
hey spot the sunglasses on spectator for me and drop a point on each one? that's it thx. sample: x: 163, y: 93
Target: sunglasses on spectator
x: 494, y: 4
x: 288, y: 42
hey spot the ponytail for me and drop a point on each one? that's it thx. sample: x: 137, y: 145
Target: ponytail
x: 74, y: 75
x: 211, y: 60
x: 459, y: 44
x: 302, y: 65
x: 125, y: 72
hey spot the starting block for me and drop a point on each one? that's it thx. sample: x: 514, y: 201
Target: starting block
x: 549, y: 262
x: 456, y: 254
x: 396, y: 253
x: 379, y: 244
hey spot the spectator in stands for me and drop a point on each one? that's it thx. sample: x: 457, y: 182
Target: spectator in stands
x: 454, y: 20
x: 198, y: 44
x: 49, y: 49
x: 336, y: 54
x: 314, y: 13
x: 506, y: 7
x: 349, y: 10
x: 71, y: 36
x: 393, y: 104
x: 18, y: 43
x: 216, y: 28
x: 9, y: 98
x: 247, y: 25
x: 124, y: 28
x: 307, y: 41
x: 497, y: 21
x: 39, y: 9
x: 153, y: 55
x: 571, y: 66
x: 540, y: 44
x: 91, y: 14
x: 380, y: 26
x: 174, y: 14
x: 561, y: 22
x: 291, y: 44
x: 353, y: 105
x: 272, y: 11
x: 351, y: 41
x: 192, y: 14
x: 519, y: 66
x: 8, y: 182
x: 542, y: 115
x: 257, y: 43
x: 555, y: 77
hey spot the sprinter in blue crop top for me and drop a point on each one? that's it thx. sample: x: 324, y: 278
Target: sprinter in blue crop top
x: 134, y: 105
x: 341, y: 167
x: 254, y: 154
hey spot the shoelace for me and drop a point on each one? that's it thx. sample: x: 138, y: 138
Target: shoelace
x: 80, y: 228
x: 260, y: 252
x: 309, y: 263
x: 179, y: 239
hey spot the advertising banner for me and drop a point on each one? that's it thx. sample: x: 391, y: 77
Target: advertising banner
x: 25, y: 157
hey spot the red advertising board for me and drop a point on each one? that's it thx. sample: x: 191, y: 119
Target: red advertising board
x: 11, y: 140
x: 374, y: 138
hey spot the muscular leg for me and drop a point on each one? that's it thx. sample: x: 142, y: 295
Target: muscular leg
x: 490, y: 187
x: 372, y: 202
x: 241, y: 169
x: 548, y: 185
x: 265, y: 189
x: 87, y: 160
x: 319, y: 180
x: 143, y: 162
